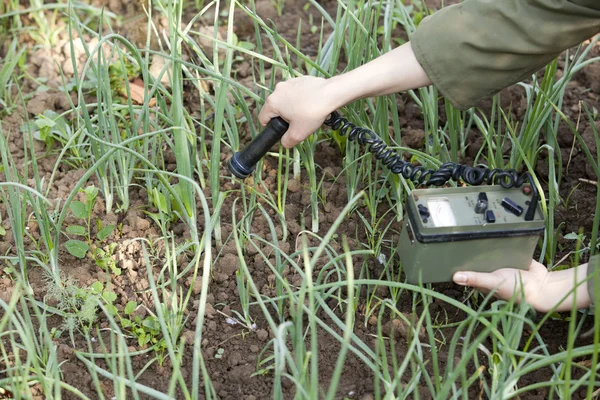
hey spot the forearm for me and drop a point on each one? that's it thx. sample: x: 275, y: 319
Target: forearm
x: 305, y: 102
x: 570, y: 284
x: 393, y: 72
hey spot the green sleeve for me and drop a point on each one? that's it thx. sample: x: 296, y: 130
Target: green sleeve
x: 593, y: 283
x: 474, y: 49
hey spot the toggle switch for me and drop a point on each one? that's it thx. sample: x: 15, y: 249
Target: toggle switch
x: 512, y: 207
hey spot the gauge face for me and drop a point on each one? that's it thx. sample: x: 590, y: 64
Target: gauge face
x: 441, y: 212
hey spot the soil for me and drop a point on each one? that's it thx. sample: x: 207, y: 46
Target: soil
x: 233, y: 374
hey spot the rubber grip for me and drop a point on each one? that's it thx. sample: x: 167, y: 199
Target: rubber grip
x: 242, y: 163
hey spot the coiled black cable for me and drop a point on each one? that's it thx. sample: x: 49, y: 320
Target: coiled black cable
x: 448, y: 171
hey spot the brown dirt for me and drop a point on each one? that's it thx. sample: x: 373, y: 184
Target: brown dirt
x: 232, y: 375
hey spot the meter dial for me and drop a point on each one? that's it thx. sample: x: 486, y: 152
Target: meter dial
x: 441, y: 212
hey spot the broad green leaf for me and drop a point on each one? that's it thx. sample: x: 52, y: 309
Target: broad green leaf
x: 246, y: 45
x: 97, y: 287
x: 76, y: 230
x: 91, y: 192
x: 101, y: 262
x: 39, y: 135
x: 112, y: 310
x: 105, y: 232
x: 572, y: 236
x: 2, y: 231
x: 77, y: 248
x: 161, y: 201
x: 143, y: 339
x: 79, y: 210
x: 130, y: 307
x: 42, y: 123
x: 109, y: 297
x: 150, y: 323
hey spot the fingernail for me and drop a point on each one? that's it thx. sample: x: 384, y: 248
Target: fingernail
x: 460, y: 278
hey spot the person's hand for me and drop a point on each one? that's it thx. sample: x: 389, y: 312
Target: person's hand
x: 542, y: 289
x: 506, y: 281
x: 304, y: 102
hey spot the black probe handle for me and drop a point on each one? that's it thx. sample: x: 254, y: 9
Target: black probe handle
x: 243, y: 162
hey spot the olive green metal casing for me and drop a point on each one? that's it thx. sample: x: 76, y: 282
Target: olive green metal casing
x: 457, y: 238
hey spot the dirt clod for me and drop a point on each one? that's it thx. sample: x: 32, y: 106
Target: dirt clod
x: 262, y: 335
x: 228, y: 264
x: 294, y: 186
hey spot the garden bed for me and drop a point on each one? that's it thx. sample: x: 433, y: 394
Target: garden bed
x: 139, y: 254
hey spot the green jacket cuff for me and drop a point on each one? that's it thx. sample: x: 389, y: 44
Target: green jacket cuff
x: 593, y: 283
x: 474, y: 49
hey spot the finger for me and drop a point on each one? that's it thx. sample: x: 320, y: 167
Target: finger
x: 293, y: 136
x: 479, y: 280
x: 297, y: 132
x: 267, y: 113
x: 272, y: 103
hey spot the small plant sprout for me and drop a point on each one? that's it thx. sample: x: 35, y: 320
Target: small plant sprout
x: 79, y: 248
x: 78, y: 306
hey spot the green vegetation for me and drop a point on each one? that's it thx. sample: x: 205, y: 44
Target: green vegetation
x: 324, y: 292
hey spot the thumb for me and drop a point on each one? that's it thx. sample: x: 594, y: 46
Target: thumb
x: 479, y: 280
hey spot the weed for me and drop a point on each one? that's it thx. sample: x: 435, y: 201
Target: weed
x: 146, y: 330
x: 103, y: 256
x: 50, y: 127
x: 78, y: 306
x: 48, y: 31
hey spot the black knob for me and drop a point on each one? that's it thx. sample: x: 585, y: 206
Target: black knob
x: 482, y: 203
x: 242, y: 163
x: 512, y: 207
